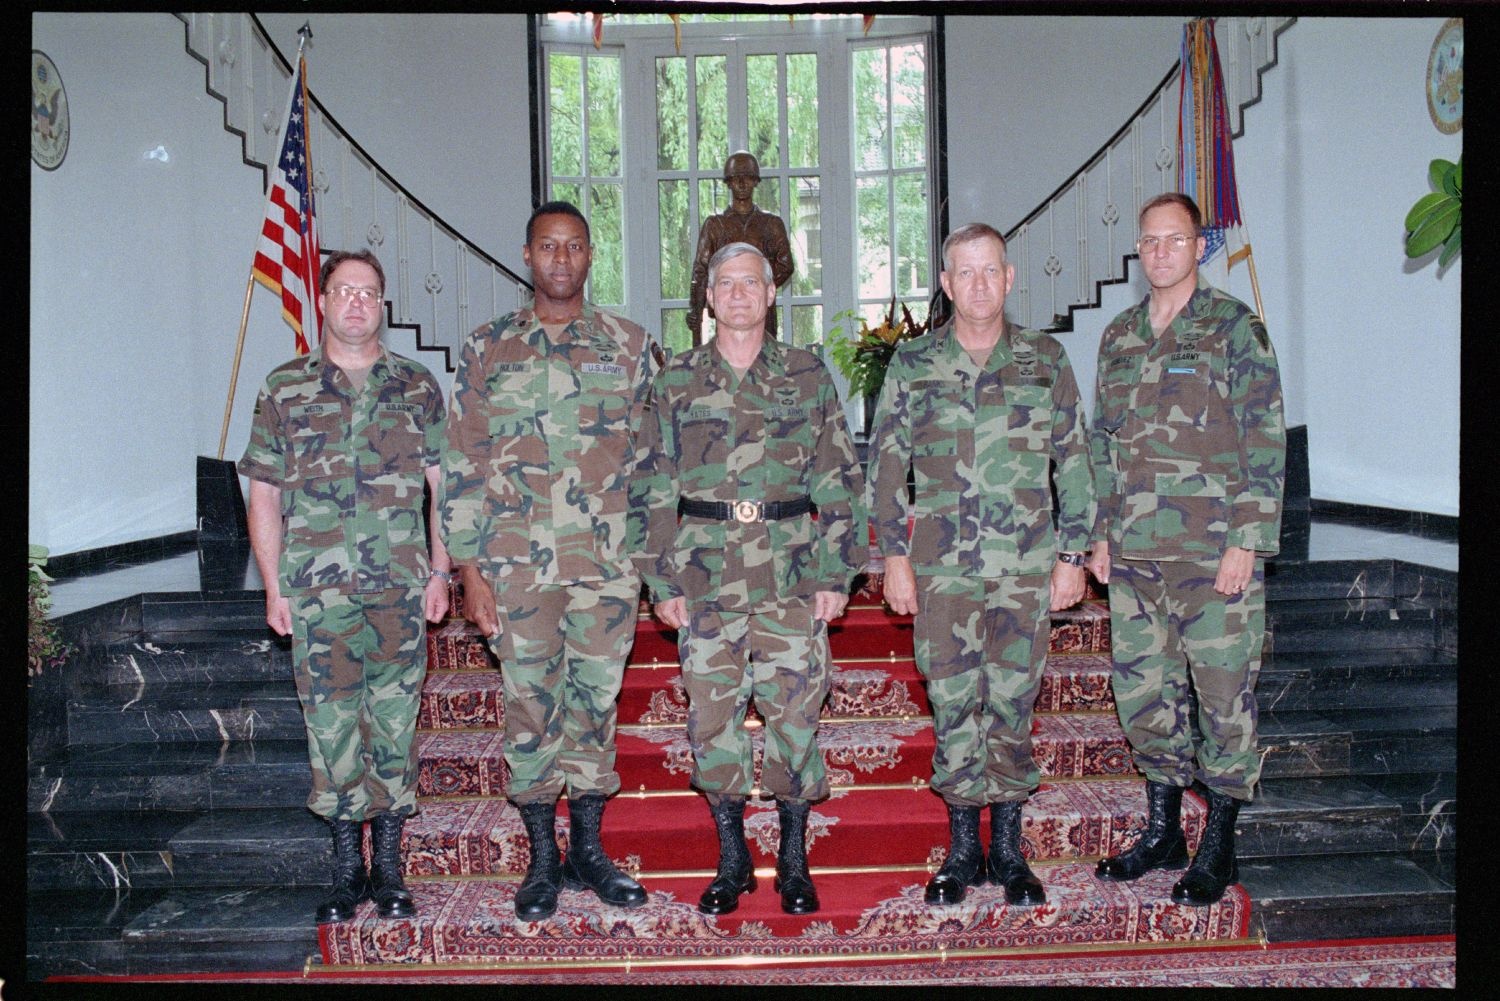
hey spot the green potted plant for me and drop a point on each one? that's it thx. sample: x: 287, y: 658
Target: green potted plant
x: 1435, y: 219
x: 862, y: 353
x: 45, y: 647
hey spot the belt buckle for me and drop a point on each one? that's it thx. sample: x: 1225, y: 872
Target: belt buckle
x: 748, y: 511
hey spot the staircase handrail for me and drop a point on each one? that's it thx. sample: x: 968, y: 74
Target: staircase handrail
x: 432, y: 335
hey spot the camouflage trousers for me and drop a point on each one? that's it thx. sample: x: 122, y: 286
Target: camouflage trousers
x: 776, y: 657
x: 359, y: 661
x: 562, y: 650
x: 982, y: 645
x: 1169, y: 627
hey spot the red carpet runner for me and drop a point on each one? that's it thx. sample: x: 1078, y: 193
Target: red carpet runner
x: 873, y: 844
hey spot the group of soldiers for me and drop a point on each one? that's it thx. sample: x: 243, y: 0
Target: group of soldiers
x: 576, y: 463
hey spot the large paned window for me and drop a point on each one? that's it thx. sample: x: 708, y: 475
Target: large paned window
x: 637, y: 132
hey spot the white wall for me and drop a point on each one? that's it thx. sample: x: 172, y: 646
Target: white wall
x: 139, y: 265
x: 138, y: 269
x: 439, y: 101
x: 1368, y: 340
x: 1029, y: 99
x: 1331, y: 160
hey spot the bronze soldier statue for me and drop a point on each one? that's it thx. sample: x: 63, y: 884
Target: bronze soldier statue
x: 742, y: 222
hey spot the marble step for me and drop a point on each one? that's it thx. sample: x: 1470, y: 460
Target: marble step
x: 1374, y: 578
x: 206, y: 657
x: 1346, y: 896
x: 181, y: 775
x: 1360, y: 678
x: 186, y: 711
x: 128, y: 850
x: 171, y: 776
x: 253, y: 927
x: 165, y: 615
x: 1429, y: 808
x: 1359, y: 741
x: 1353, y: 624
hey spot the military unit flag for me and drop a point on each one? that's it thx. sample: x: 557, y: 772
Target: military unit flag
x: 1205, y: 152
x: 287, y: 257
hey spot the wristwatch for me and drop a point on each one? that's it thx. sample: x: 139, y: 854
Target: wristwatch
x: 441, y: 573
x: 1077, y: 559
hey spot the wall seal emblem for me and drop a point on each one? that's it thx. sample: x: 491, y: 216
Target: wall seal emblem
x: 50, y: 123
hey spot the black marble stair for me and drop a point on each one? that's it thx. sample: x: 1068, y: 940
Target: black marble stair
x: 1364, y: 679
x: 171, y: 776
x: 204, y: 657
x: 171, y: 930
x: 1324, y: 624
x: 166, y: 712
x: 166, y: 829
x: 1345, y: 896
x: 132, y: 850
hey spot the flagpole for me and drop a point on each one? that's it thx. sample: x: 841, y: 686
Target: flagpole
x: 304, y: 32
x: 239, y: 348
x: 1248, y: 255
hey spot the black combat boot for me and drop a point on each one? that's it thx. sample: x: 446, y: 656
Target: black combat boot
x: 798, y: 895
x: 587, y: 867
x: 386, y: 888
x: 1007, y: 866
x: 1160, y: 846
x: 736, y: 873
x: 1214, y: 867
x: 351, y: 883
x: 964, y: 866
x: 536, y: 898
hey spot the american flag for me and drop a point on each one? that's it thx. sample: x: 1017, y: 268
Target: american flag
x: 287, y: 259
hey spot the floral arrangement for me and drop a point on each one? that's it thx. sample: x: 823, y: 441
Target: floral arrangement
x: 863, y: 357
x: 44, y: 644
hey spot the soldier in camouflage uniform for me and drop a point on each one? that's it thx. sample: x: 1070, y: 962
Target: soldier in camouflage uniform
x: 547, y: 403
x: 980, y: 411
x: 748, y: 441
x: 342, y: 442
x: 1188, y: 448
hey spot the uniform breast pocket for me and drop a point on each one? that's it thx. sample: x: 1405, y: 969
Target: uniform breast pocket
x: 603, y: 399
x: 317, y: 443
x: 703, y: 441
x: 1188, y: 390
x: 790, y: 437
x: 400, y: 436
x: 1029, y: 418
x: 1116, y: 380
x: 937, y: 410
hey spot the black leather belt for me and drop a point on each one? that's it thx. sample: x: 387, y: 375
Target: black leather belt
x: 744, y: 510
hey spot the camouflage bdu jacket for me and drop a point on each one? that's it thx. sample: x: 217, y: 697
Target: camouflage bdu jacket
x: 351, y: 470
x: 1188, y: 443
x: 777, y: 436
x: 981, y: 446
x: 541, y: 446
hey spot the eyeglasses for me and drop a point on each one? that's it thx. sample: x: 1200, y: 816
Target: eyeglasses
x: 343, y: 293
x: 1175, y: 242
